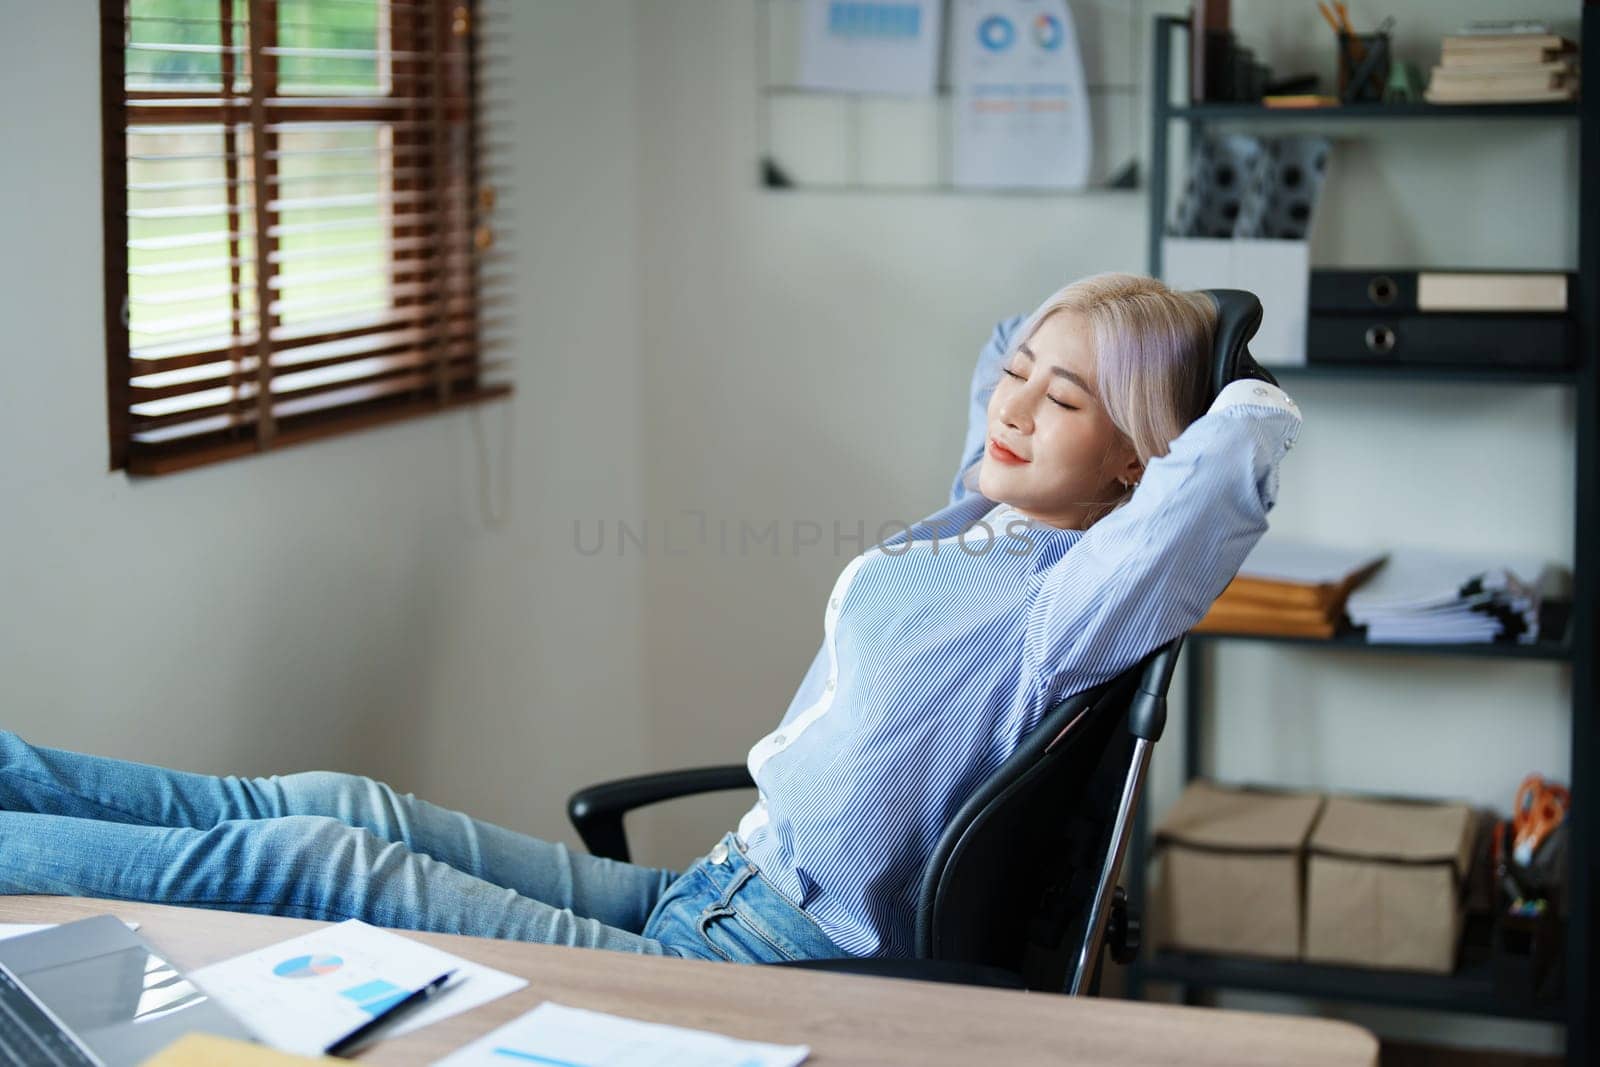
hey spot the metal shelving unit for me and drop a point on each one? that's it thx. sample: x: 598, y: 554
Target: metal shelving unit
x: 1551, y: 651
x: 1470, y: 988
x: 1399, y: 372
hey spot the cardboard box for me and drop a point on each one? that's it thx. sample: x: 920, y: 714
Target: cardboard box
x: 1231, y: 866
x: 1384, y: 884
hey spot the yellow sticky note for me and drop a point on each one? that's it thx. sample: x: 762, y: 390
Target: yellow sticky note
x: 208, y: 1050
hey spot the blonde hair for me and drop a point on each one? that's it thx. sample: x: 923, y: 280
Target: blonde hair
x: 1152, y: 349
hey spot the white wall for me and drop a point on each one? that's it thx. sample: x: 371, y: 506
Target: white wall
x: 806, y: 356
x: 342, y: 604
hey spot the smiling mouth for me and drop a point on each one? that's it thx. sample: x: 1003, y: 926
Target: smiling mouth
x: 1002, y: 453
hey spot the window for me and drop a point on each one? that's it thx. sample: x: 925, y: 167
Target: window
x: 298, y: 236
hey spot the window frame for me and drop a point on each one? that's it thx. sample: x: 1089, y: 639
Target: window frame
x: 443, y: 298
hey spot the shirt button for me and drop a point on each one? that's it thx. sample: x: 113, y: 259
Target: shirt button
x: 829, y: 686
x: 833, y: 603
x: 720, y: 853
x: 778, y: 740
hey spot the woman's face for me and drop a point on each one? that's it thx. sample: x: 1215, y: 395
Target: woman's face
x: 1052, y: 452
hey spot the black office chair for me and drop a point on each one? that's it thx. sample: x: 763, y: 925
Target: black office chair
x: 1021, y: 888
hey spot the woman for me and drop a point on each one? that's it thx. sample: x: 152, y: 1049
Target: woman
x: 1047, y: 574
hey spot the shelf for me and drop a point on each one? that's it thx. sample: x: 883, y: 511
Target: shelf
x: 1402, y: 372
x: 1566, y: 109
x: 1469, y: 991
x: 1553, y: 619
x: 1547, y: 651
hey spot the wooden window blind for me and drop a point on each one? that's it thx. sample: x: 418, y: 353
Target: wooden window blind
x: 298, y: 221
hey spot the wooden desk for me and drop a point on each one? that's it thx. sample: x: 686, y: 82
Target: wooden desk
x: 845, y: 1019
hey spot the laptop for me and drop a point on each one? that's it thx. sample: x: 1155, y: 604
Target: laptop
x: 94, y: 993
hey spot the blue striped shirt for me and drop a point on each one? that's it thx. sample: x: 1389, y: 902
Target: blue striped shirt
x: 945, y: 644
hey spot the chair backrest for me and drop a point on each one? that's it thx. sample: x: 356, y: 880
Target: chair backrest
x: 1012, y: 878
x: 1238, y: 319
x: 1016, y: 880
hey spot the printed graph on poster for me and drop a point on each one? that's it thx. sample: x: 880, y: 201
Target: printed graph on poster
x: 1021, y: 100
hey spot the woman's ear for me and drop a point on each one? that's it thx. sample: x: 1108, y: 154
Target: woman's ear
x: 1132, y: 472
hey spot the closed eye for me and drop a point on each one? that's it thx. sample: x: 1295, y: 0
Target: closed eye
x: 1053, y: 400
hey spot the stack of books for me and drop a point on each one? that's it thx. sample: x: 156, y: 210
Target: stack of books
x: 1290, y: 589
x: 1504, y: 62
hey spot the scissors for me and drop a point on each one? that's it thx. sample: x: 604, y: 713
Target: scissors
x: 1540, y: 807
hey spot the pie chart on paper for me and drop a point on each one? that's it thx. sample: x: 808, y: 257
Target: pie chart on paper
x: 308, y: 966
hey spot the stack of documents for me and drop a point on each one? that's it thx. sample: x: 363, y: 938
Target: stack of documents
x: 1426, y: 596
x: 1290, y: 589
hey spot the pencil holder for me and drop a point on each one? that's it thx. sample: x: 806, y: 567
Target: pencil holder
x: 1525, y: 959
x: 1363, y: 66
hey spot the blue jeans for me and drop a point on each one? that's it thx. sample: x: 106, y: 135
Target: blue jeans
x: 336, y: 846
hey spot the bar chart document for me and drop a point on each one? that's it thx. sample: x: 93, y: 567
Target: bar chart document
x: 871, y: 46
x: 303, y: 994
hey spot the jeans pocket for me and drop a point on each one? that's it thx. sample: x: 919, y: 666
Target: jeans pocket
x: 734, y: 939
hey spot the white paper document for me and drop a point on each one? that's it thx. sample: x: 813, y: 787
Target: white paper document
x: 1021, y: 102
x: 871, y: 46
x: 555, y: 1035
x: 303, y: 994
x: 1428, y: 595
x: 1419, y: 579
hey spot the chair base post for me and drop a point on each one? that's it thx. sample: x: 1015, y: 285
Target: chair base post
x: 1100, y: 911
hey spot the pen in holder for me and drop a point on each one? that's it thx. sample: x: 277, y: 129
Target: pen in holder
x: 1363, y: 66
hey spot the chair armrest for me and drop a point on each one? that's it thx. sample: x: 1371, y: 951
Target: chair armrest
x: 916, y: 969
x: 596, y: 812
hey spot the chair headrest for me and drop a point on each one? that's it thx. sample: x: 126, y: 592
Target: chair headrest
x: 1238, y: 317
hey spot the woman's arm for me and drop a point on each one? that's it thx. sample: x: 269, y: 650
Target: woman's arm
x: 984, y: 378
x: 1148, y: 571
